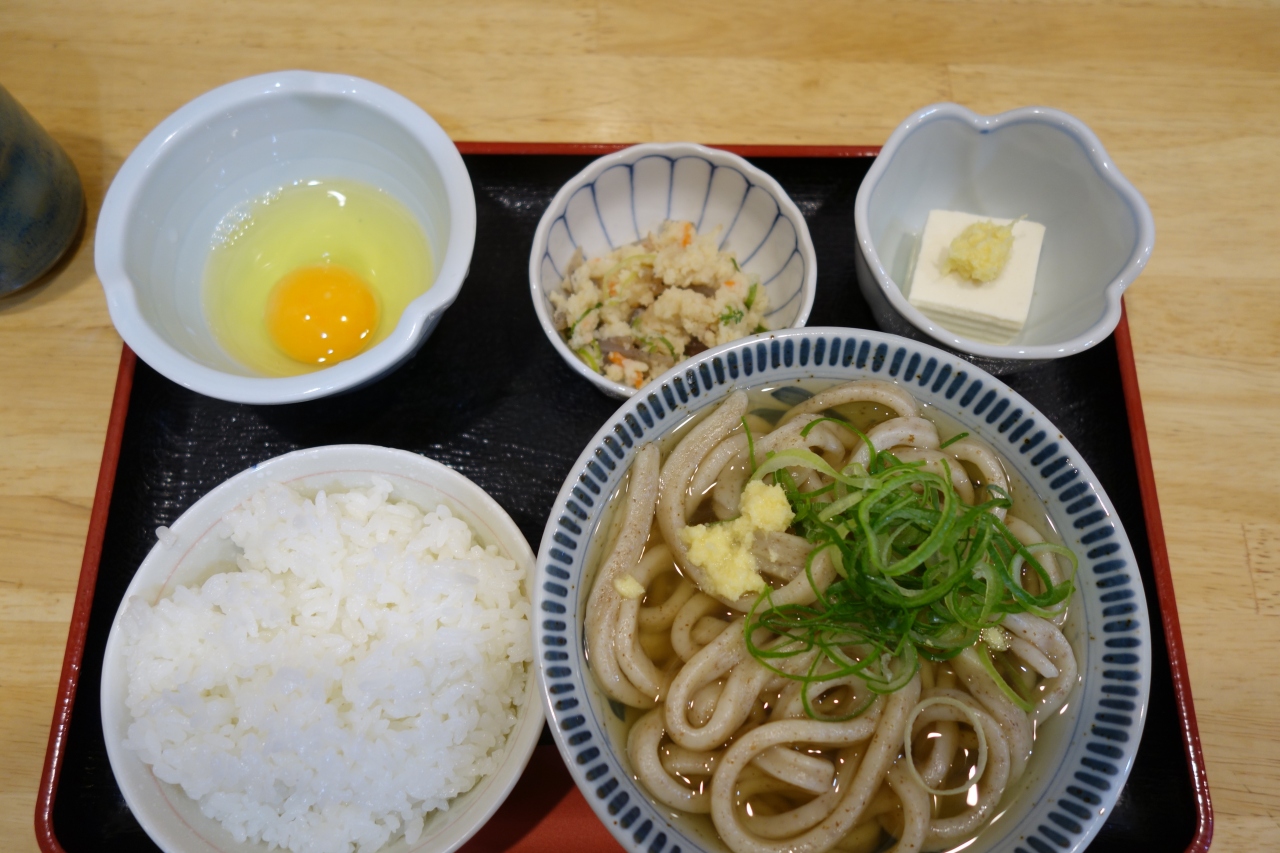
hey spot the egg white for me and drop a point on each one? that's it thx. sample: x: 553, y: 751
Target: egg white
x: 334, y: 221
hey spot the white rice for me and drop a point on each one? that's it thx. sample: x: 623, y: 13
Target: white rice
x: 363, y: 667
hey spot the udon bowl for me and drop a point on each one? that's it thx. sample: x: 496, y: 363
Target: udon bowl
x: 192, y: 549
x: 1082, y: 757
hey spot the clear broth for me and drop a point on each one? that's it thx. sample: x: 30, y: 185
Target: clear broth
x: 765, y: 407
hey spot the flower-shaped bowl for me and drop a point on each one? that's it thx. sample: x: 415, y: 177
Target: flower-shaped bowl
x: 1035, y: 162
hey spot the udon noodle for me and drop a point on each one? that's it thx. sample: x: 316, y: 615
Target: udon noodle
x: 887, y: 679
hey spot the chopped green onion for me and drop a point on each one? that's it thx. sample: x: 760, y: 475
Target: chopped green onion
x: 751, y: 295
x: 591, y: 354
x: 953, y: 440
x: 974, y: 721
x: 984, y: 657
x: 731, y: 315
x: 627, y: 262
x: 751, y: 445
x: 569, y: 333
x: 920, y: 573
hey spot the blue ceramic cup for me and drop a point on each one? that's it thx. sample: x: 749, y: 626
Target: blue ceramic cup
x: 41, y: 202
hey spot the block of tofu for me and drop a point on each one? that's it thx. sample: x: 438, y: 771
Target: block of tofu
x: 993, y: 311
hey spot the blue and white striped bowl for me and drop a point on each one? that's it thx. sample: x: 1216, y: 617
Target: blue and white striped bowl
x: 1082, y: 758
x: 623, y: 196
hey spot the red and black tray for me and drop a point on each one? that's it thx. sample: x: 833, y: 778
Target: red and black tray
x: 489, y: 396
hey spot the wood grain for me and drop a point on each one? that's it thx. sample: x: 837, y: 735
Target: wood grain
x: 1185, y: 95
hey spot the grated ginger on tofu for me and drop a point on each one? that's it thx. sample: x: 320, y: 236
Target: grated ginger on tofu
x: 990, y: 311
x: 980, y: 251
x: 723, y: 550
x: 628, y: 587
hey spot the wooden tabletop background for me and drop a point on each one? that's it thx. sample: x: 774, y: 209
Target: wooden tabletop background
x: 1185, y: 95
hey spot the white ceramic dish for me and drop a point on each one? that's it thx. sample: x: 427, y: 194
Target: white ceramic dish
x: 234, y: 144
x: 1082, y: 758
x: 623, y: 196
x: 1035, y: 162
x: 173, y: 820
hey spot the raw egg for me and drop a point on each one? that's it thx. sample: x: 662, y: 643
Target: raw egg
x: 312, y: 274
x: 321, y: 315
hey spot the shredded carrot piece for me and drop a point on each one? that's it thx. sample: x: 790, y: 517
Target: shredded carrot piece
x: 639, y: 381
x: 615, y: 358
x: 688, y: 234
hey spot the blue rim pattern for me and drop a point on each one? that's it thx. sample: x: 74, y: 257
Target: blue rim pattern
x: 1071, y: 803
x: 690, y: 187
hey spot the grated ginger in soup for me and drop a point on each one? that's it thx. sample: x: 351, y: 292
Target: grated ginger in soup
x: 640, y: 309
x: 363, y: 667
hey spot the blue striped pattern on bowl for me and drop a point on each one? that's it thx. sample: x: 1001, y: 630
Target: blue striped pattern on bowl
x: 1081, y: 761
x: 621, y: 198
x: 629, y: 200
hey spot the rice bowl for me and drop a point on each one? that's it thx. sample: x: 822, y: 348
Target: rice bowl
x: 301, y: 723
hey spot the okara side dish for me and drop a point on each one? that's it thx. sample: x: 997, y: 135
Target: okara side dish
x: 363, y: 667
x: 638, y: 310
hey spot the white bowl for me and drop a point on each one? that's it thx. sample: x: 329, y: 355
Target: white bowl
x: 234, y: 144
x: 170, y: 817
x: 623, y: 196
x: 1082, y: 757
x: 1037, y: 162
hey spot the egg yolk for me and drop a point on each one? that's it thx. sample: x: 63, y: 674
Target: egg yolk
x: 321, y: 314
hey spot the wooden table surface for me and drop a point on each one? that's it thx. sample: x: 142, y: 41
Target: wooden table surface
x: 1184, y: 94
